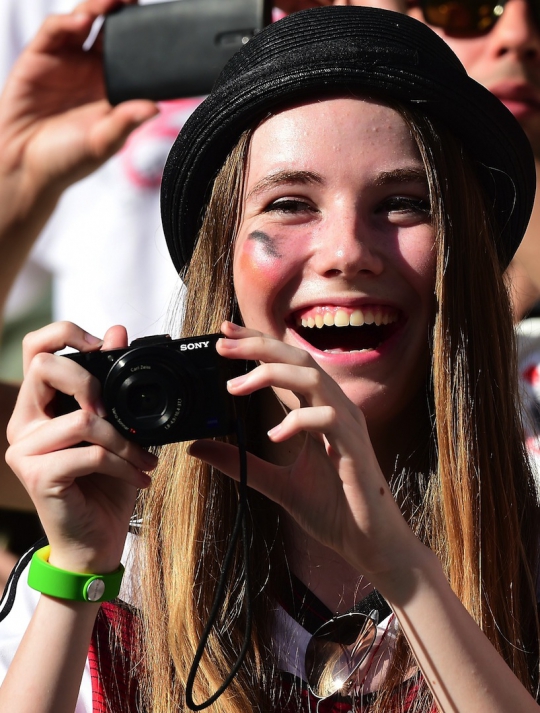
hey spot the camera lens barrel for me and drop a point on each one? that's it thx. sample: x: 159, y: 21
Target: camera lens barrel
x: 144, y: 392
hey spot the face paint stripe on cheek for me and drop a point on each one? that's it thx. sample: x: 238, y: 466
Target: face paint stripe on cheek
x: 268, y: 242
x: 258, y: 255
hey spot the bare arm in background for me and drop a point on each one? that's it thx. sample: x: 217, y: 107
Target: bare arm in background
x: 56, y: 127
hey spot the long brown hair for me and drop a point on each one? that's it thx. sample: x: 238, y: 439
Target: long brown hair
x: 477, y: 511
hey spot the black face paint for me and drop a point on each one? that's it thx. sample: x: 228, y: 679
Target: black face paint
x: 268, y: 243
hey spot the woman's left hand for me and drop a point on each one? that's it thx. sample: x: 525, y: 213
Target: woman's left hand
x: 335, y: 488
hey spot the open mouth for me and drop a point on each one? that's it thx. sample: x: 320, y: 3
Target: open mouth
x: 340, y: 330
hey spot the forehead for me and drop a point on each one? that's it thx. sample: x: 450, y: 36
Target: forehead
x: 337, y: 129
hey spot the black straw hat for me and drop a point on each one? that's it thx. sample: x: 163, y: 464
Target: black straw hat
x: 359, y: 48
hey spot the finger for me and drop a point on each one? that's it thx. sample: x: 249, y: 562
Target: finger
x: 61, y: 31
x: 268, y: 479
x: 101, y: 7
x: 344, y: 436
x: 110, y: 133
x: 309, y: 383
x: 62, y: 468
x: 321, y: 419
x: 47, y: 375
x: 237, y: 331
x: 82, y: 426
x: 344, y: 442
x: 115, y: 338
x: 71, y: 29
x: 261, y: 347
x: 55, y: 337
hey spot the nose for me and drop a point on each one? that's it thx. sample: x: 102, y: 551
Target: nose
x: 516, y: 32
x: 347, y: 249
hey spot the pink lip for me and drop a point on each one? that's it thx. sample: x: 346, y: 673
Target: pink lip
x: 521, y: 98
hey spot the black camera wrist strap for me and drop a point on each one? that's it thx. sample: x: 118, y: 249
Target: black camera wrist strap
x: 240, y: 526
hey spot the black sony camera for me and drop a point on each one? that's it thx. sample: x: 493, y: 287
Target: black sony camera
x: 162, y: 390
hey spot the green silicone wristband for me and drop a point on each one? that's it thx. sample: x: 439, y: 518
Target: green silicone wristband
x: 74, y: 586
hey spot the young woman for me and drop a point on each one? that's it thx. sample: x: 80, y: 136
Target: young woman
x: 342, y: 208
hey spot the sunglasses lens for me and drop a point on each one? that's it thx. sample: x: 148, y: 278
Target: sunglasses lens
x: 336, y: 651
x: 463, y: 17
x: 535, y: 11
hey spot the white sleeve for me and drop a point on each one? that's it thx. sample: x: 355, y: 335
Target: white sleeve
x: 16, y: 609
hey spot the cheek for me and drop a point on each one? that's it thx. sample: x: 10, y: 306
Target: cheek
x: 424, y: 264
x: 256, y: 265
x: 256, y: 276
x: 420, y: 257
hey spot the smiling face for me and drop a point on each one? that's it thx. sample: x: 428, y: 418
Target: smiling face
x: 335, y: 251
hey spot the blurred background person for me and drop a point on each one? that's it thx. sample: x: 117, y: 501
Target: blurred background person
x: 56, y: 127
x: 499, y: 45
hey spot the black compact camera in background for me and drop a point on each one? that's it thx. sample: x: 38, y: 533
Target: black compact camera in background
x: 170, y: 50
x: 161, y: 390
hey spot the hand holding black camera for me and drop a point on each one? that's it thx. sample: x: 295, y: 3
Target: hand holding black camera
x: 161, y: 390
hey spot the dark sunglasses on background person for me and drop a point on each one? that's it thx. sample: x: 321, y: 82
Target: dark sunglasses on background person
x: 467, y: 18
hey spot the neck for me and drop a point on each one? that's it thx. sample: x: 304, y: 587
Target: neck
x: 523, y: 273
x: 403, y: 441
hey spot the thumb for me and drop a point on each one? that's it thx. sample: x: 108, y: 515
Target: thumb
x: 268, y: 479
x: 115, y: 338
x: 110, y: 133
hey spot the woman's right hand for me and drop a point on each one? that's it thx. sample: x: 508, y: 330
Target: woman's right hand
x: 84, y: 496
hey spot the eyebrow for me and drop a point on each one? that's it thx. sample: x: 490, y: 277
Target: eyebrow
x: 401, y: 175
x: 282, y: 177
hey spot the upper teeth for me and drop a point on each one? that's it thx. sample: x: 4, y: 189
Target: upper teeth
x: 341, y: 318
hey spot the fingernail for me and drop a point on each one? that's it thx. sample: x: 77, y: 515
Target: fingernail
x: 274, y: 431
x: 94, y: 341
x: 150, y: 459
x: 237, y: 381
x: 145, y: 480
x: 100, y: 409
x: 227, y: 343
x: 234, y: 327
x: 191, y: 450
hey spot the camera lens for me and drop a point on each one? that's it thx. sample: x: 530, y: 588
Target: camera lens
x: 146, y: 400
x: 144, y: 394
